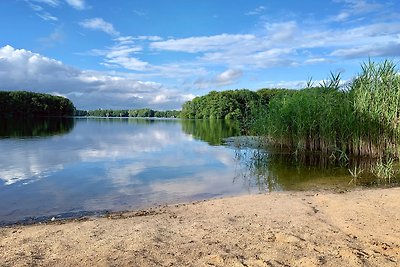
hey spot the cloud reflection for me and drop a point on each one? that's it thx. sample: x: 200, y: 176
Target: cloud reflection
x: 111, y: 164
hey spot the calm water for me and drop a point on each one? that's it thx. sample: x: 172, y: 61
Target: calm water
x: 84, y: 166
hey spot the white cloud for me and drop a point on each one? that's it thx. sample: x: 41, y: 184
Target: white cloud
x: 99, y: 24
x: 361, y: 6
x: 227, y: 77
x: 35, y: 7
x: 258, y: 10
x: 287, y: 84
x: 354, y: 8
x: 266, y: 49
x: 342, y: 16
x: 121, y: 54
x: 251, y: 59
x: 281, y: 32
x: 40, y: 11
x: 24, y: 70
x: 47, y: 16
x: 52, y: 3
x: 149, y: 38
x: 77, y: 4
x: 370, y: 50
x: 203, y: 43
x: 316, y: 60
x: 57, y: 36
x: 129, y: 63
x: 140, y: 13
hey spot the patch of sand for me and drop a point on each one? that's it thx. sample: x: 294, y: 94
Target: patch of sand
x: 359, y: 228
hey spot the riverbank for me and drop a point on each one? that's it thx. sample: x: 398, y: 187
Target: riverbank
x: 358, y: 228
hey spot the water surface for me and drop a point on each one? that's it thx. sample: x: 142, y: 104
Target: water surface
x: 84, y: 166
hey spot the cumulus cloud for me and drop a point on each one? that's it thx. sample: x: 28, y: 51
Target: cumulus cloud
x: 21, y: 69
x: 99, y: 24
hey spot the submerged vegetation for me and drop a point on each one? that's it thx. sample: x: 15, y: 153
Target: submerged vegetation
x: 29, y: 104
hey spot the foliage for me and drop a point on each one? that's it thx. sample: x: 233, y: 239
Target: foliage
x: 384, y: 170
x: 241, y: 105
x: 23, y: 104
x: 143, y: 113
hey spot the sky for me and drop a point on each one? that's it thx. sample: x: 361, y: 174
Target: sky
x: 158, y: 54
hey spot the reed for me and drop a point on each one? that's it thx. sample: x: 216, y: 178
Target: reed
x: 359, y: 119
x: 384, y: 170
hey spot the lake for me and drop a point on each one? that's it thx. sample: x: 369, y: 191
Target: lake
x: 84, y: 166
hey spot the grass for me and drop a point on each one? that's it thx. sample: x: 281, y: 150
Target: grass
x: 359, y: 119
x: 384, y: 170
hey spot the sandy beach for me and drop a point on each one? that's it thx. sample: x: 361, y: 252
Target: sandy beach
x: 358, y: 228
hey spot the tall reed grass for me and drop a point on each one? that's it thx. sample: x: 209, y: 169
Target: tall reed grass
x: 359, y: 119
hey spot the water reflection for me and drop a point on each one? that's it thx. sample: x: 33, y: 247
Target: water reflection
x: 269, y: 171
x: 116, y: 164
x: 110, y: 164
x: 34, y: 127
x: 212, y: 131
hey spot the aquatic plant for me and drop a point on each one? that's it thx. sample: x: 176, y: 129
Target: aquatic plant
x: 355, y: 174
x: 358, y: 119
x: 384, y: 170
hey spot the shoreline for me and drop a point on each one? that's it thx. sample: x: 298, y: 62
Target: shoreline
x: 354, y: 228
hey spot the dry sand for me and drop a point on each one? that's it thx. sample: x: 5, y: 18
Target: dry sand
x: 358, y: 228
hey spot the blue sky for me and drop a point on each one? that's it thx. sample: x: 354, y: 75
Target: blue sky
x: 158, y: 53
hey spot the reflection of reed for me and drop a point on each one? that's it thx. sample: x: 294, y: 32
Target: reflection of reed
x: 272, y: 171
x: 254, y: 170
x: 35, y: 127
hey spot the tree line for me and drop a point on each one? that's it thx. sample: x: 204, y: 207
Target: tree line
x: 142, y: 113
x: 229, y: 104
x: 25, y: 104
x: 241, y: 105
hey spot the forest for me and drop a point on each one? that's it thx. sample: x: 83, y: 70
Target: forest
x: 141, y: 113
x: 29, y: 104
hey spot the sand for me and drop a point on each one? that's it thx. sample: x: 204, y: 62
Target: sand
x: 358, y: 228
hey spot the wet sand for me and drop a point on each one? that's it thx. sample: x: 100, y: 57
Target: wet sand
x: 358, y: 228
